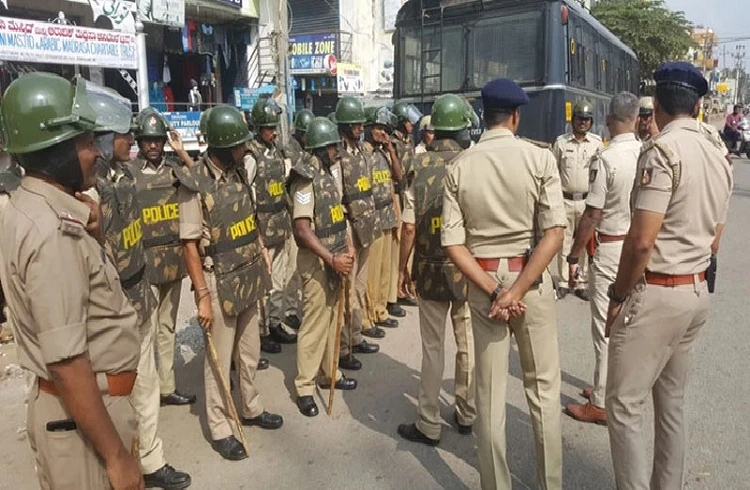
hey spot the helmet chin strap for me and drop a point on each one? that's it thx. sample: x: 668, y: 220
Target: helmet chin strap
x: 59, y: 163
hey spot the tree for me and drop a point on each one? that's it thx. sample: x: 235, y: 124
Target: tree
x: 654, y: 32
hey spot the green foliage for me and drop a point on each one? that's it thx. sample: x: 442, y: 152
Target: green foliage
x: 654, y: 32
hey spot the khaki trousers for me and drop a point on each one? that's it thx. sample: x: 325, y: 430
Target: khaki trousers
x: 602, y: 273
x: 235, y: 338
x: 168, y: 298
x: 64, y: 459
x: 650, y: 353
x: 536, y: 337
x: 379, y: 274
x: 294, y: 283
x: 145, y: 400
x: 275, y: 299
x: 317, y: 334
x: 432, y: 320
x: 357, y: 302
x: 574, y: 211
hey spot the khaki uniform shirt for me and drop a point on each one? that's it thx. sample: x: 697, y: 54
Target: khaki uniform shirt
x: 495, y: 190
x: 409, y: 215
x: 63, y: 290
x: 685, y: 177
x: 573, y: 158
x: 611, y: 179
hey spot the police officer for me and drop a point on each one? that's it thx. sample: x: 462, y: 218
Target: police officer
x: 298, y: 140
x: 157, y: 178
x: 426, y: 134
x: 606, y: 219
x: 226, y: 260
x: 573, y: 152
x: 441, y: 288
x: 77, y: 332
x: 363, y: 218
x: 647, y: 128
x: 659, y: 301
x: 264, y: 164
x: 497, y: 195
x: 121, y: 225
x: 325, y: 254
x: 10, y: 178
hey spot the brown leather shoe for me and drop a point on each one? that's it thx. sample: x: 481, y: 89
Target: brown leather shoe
x: 587, y: 413
x: 587, y: 393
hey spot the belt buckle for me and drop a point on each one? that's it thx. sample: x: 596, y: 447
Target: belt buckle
x: 577, y: 196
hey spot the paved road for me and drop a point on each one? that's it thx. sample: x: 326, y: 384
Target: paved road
x: 358, y: 447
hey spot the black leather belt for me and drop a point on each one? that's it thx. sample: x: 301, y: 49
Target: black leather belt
x: 350, y: 198
x: 161, y: 241
x: 226, y: 245
x: 331, y: 230
x: 272, y: 208
x: 134, y: 279
x: 575, y: 196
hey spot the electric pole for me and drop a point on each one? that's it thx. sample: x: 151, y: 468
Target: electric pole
x: 280, y: 42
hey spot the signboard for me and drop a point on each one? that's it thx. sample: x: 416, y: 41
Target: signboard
x: 185, y: 123
x: 165, y: 12
x: 231, y: 3
x: 119, y: 12
x: 42, y: 42
x: 246, y: 97
x: 349, y: 79
x: 312, y: 54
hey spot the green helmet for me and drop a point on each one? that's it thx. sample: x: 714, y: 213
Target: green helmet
x: 584, y: 109
x: 302, y: 119
x: 321, y: 132
x: 449, y: 113
x: 40, y: 110
x: 406, y: 112
x: 266, y: 113
x: 226, y: 128
x: 113, y: 114
x: 332, y: 117
x: 151, y: 124
x: 202, y: 122
x: 379, y: 115
x: 349, y: 110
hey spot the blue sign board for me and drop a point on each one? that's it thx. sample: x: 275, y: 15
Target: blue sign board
x: 231, y: 3
x: 312, y: 53
x: 185, y: 123
x: 246, y: 97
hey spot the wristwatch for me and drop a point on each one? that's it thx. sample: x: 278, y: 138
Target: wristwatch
x: 572, y: 259
x: 612, y: 295
x: 495, y: 293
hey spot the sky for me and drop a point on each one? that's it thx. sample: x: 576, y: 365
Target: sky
x: 728, y: 18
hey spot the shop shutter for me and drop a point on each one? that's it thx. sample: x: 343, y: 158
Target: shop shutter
x: 309, y: 16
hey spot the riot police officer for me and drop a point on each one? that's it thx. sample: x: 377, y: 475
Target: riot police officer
x: 264, y: 164
x: 226, y: 260
x: 356, y: 181
x: 573, y: 152
x: 121, y: 225
x: 325, y: 254
x: 299, y: 138
x: 157, y: 178
x: 76, y: 328
x: 441, y: 287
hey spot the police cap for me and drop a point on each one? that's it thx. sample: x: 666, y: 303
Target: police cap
x: 681, y: 74
x: 503, y: 93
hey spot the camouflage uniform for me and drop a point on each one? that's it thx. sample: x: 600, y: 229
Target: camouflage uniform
x: 165, y: 265
x: 314, y: 195
x: 265, y: 167
x: 217, y: 210
x: 364, y: 219
x: 440, y: 288
x: 382, y: 256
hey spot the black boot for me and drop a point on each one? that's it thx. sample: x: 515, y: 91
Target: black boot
x: 350, y: 363
x: 229, y: 448
x: 268, y: 345
x: 307, y: 406
x: 282, y: 336
x: 411, y: 433
x: 395, y: 310
x: 167, y: 477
